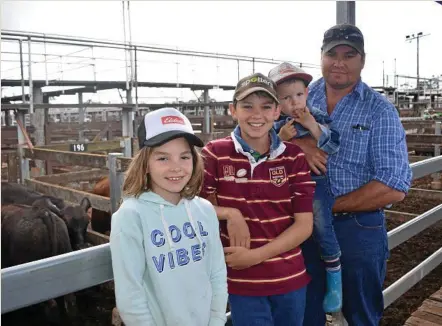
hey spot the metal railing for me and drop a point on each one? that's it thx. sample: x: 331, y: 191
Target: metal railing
x: 41, y: 280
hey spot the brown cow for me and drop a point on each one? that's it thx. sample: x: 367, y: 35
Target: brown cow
x: 101, y: 220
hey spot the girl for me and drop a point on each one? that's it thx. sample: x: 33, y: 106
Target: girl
x: 167, y: 257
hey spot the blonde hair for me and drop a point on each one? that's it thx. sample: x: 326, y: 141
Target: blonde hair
x: 137, y: 179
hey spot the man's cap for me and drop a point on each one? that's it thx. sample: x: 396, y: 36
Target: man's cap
x: 286, y: 70
x: 255, y: 83
x: 343, y: 34
x: 162, y: 125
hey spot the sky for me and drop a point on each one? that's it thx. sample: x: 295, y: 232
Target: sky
x: 287, y: 30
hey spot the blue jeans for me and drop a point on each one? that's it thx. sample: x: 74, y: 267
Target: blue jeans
x: 364, y: 245
x: 323, y: 231
x: 275, y: 310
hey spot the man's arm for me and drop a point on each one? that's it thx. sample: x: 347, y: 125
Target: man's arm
x: 372, y: 196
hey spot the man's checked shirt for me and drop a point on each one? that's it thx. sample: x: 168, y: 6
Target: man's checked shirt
x: 373, y: 144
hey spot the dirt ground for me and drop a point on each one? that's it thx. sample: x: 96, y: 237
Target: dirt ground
x: 95, y: 305
x: 410, y: 254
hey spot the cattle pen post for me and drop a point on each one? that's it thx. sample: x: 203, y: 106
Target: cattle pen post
x: 115, y: 180
x: 114, y: 163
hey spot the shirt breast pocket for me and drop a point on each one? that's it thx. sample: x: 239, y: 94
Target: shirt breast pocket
x: 357, y: 145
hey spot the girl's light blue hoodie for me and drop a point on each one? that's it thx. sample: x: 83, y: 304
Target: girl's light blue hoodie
x: 168, y: 263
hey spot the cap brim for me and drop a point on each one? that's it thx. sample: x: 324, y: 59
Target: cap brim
x: 249, y: 91
x: 333, y: 44
x: 169, y: 135
x: 298, y: 75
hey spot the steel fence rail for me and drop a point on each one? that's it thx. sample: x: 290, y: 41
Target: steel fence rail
x: 398, y: 288
x: 422, y: 168
x: 413, y: 227
x: 41, y: 280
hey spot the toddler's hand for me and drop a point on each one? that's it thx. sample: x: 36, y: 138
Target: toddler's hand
x: 288, y: 131
x: 304, y: 117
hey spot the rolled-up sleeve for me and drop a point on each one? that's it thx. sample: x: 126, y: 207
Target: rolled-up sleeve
x: 329, y: 140
x: 389, y: 151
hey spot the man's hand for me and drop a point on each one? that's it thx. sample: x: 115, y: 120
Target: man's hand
x: 241, y: 258
x: 288, y: 131
x: 316, y: 158
x: 237, y: 229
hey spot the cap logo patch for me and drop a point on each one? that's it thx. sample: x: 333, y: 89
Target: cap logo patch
x: 256, y: 80
x: 172, y: 119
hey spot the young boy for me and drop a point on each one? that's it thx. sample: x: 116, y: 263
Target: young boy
x: 296, y: 121
x: 262, y: 186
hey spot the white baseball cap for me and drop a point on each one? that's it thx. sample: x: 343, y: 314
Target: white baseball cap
x: 165, y: 124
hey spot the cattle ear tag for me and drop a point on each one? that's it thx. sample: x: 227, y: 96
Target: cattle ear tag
x: 241, y: 173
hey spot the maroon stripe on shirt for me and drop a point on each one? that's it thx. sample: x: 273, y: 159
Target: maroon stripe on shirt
x: 278, y: 187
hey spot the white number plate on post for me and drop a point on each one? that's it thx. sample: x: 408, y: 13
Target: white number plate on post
x: 78, y: 147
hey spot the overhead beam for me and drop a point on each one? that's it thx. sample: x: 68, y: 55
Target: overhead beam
x: 108, y: 84
x: 24, y: 106
x: 70, y: 91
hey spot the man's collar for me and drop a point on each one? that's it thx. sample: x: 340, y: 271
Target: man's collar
x: 357, y: 89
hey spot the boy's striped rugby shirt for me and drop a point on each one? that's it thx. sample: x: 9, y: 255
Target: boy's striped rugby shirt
x: 268, y: 194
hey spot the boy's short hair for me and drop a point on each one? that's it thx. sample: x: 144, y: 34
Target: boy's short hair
x: 255, y: 83
x: 286, y: 71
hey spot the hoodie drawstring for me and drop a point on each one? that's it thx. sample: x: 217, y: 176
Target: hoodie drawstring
x: 186, y: 204
x: 166, y: 229
x: 166, y: 226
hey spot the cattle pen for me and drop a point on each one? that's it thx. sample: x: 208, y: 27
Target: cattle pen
x: 103, y: 147
x: 39, y: 281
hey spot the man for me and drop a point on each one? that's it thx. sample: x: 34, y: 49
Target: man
x: 370, y: 171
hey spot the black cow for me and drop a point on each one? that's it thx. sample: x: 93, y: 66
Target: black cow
x: 75, y: 217
x: 14, y: 193
x: 32, y: 233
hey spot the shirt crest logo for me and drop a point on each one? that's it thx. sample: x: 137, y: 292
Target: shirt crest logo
x: 229, y: 172
x: 278, y: 176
